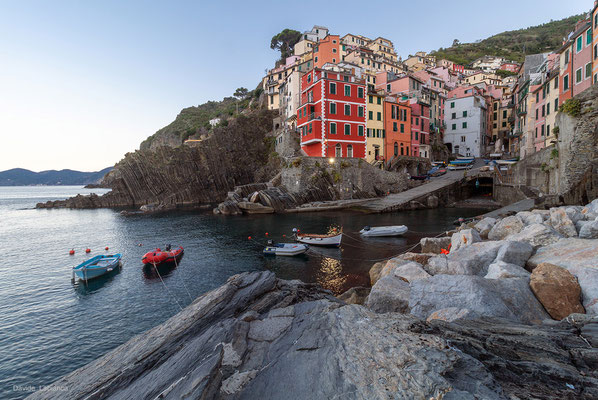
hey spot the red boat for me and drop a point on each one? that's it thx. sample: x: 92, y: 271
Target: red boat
x: 158, y: 256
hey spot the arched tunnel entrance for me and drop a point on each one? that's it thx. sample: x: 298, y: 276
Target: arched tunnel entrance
x: 478, y: 188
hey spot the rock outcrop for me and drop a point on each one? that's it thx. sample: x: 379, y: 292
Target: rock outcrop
x: 190, y: 174
x: 557, y: 290
x: 258, y: 337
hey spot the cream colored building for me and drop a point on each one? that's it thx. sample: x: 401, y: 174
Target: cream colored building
x: 375, y: 126
x: 552, y: 105
x: 303, y: 46
x: 487, y: 78
x: 383, y: 47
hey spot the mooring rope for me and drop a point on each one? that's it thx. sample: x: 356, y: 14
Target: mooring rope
x: 166, y: 287
x: 182, y: 280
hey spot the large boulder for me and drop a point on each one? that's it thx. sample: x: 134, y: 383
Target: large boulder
x: 512, y: 252
x: 506, y: 227
x: 375, y: 271
x: 389, y: 294
x: 530, y: 218
x: 502, y: 270
x: 421, y: 258
x: 561, y: 222
x: 464, y: 238
x: 355, y: 295
x: 434, y: 245
x: 484, y: 226
x: 578, y: 256
x: 470, y: 260
x: 537, y: 235
x: 410, y: 272
x: 592, y: 207
x: 451, y: 314
x: 574, y: 213
x: 511, y: 298
x: 557, y: 289
x: 588, y: 230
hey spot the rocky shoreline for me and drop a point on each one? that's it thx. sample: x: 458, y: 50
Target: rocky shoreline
x: 509, y: 313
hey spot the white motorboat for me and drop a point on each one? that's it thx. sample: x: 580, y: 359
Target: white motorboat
x: 332, y: 239
x: 285, y: 249
x: 379, y: 231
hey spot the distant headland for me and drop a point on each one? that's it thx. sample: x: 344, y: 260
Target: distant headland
x: 25, y: 177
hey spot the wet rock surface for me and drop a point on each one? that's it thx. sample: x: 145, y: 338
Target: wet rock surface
x: 259, y: 337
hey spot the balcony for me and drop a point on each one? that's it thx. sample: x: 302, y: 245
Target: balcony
x: 521, y: 113
x: 314, y: 115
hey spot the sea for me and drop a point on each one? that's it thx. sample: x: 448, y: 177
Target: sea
x: 50, y: 326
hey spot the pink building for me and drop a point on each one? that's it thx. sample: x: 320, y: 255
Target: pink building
x: 509, y: 66
x: 539, y: 130
x: 420, y: 128
x: 401, y: 85
x: 581, y: 58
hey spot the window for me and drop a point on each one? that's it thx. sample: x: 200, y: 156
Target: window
x: 536, y: 134
x: 556, y: 105
x: 567, y: 57
x: 347, y: 90
x: 309, y: 129
x: 494, y: 125
x: 578, y: 76
x: 556, y: 83
x: 547, y: 108
x: 338, y: 151
x: 396, y: 149
x: 542, y: 130
x: 402, y: 128
x: 347, y: 109
x: 464, y: 113
x: 547, y: 130
x: 566, y: 82
x: 454, y: 115
x: 360, y: 92
x: 462, y: 139
x: 334, y: 60
x: 416, y: 121
x: 347, y: 129
x: 504, y: 124
x: 333, y: 128
x: 452, y: 104
x: 596, y: 49
x: 495, y: 116
x: 464, y: 125
x: 543, y: 110
x: 388, y: 87
x: 350, y: 150
x: 394, y: 127
x: 504, y: 113
x: 334, y: 51
x: 379, y: 100
x: 589, y: 36
x: 360, y: 111
x: 332, y: 88
x: 379, y: 116
x: 360, y: 130
x: 371, y: 99
x: 332, y: 108
x: 579, y: 44
x: 588, y: 70
x: 370, y: 115
x: 454, y: 127
x: 538, y: 97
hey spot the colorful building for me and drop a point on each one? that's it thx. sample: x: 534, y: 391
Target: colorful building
x: 420, y: 129
x: 327, y: 50
x: 576, y: 62
x: 595, y: 42
x: 375, y: 127
x: 397, y: 126
x: 331, y: 118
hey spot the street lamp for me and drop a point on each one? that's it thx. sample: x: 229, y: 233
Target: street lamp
x: 331, y: 160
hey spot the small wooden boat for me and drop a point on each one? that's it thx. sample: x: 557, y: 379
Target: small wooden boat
x: 379, y: 231
x: 332, y: 239
x: 97, y: 266
x: 158, y: 257
x: 285, y: 249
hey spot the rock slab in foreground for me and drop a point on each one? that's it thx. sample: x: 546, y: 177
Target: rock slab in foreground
x: 258, y: 337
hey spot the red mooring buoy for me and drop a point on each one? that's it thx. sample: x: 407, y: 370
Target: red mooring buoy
x: 106, y: 248
x: 72, y: 252
x: 248, y: 237
x: 88, y: 250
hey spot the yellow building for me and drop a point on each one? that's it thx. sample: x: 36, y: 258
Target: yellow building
x: 383, y: 47
x: 552, y: 104
x: 484, y: 77
x: 375, y: 126
x: 303, y: 46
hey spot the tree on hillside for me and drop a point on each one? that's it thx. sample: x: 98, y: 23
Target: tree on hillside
x: 241, y: 93
x: 285, y: 41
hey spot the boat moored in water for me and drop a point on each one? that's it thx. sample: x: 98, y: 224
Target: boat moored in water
x: 97, y: 266
x: 285, y: 249
x: 380, y: 231
x: 332, y: 239
x: 158, y: 256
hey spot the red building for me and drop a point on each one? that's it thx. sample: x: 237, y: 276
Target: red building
x: 459, y: 68
x: 397, y: 125
x: 332, y: 116
x: 327, y: 50
x: 509, y: 66
x: 420, y: 128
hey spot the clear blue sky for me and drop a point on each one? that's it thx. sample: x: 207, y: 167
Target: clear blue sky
x: 84, y: 82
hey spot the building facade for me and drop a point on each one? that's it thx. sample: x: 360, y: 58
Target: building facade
x: 465, y: 114
x: 375, y: 127
x: 397, y: 126
x: 331, y: 118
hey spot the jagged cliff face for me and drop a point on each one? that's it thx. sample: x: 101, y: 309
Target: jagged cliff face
x: 189, y: 175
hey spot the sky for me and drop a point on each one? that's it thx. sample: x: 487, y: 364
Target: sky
x: 84, y: 82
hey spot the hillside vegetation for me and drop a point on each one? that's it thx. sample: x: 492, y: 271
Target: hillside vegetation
x: 25, y: 177
x: 194, y: 121
x: 513, y: 45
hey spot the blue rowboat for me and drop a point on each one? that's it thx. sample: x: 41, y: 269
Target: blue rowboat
x: 97, y: 266
x: 461, y: 162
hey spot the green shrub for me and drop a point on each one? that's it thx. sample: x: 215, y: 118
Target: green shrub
x: 554, y: 153
x: 572, y: 107
x: 336, y: 176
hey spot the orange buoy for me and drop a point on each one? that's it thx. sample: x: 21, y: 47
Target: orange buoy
x: 106, y: 248
x: 72, y: 252
x: 88, y: 250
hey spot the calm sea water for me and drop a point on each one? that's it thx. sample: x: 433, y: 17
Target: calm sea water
x: 50, y: 326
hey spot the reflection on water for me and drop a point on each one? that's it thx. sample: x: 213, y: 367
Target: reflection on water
x: 330, y: 276
x: 93, y: 285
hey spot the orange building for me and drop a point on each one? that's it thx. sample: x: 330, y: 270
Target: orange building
x: 327, y: 50
x: 397, y: 126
